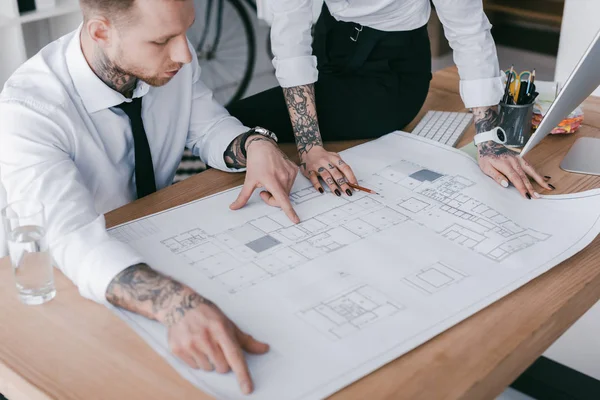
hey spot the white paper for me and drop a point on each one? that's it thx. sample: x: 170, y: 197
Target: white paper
x: 363, y: 279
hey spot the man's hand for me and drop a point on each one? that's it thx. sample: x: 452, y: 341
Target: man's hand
x: 203, y: 337
x: 199, y: 333
x: 502, y: 164
x: 268, y: 168
x: 315, y: 161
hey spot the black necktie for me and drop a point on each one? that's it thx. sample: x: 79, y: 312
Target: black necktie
x: 144, y: 170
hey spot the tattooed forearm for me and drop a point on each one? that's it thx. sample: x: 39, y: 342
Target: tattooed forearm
x: 485, y: 118
x: 303, y: 113
x: 144, y: 291
x: 233, y: 155
x: 112, y: 75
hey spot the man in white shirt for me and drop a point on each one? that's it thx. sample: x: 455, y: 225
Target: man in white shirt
x: 101, y: 117
x: 367, y: 74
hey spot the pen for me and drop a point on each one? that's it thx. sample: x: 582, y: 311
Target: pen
x: 508, y: 80
x: 364, y: 189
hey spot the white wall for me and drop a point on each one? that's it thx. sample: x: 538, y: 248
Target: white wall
x: 579, y: 347
x: 581, y: 22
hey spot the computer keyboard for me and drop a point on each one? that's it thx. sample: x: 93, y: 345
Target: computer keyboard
x: 443, y: 126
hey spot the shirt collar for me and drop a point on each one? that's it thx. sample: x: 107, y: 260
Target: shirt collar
x: 94, y: 93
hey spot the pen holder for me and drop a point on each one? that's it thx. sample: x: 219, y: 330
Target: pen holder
x: 516, y: 121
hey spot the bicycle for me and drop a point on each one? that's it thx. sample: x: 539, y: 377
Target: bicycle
x: 225, y: 42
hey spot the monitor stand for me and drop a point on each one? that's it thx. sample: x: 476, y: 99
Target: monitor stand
x: 584, y: 157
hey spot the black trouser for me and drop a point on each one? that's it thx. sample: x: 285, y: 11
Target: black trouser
x: 366, y: 88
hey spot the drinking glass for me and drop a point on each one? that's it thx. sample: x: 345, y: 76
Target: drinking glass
x: 24, y: 223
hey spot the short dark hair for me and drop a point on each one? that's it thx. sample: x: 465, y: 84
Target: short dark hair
x: 105, y: 7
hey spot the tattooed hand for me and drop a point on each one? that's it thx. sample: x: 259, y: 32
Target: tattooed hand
x: 269, y: 168
x: 315, y: 161
x: 329, y: 166
x: 502, y: 164
x: 199, y: 332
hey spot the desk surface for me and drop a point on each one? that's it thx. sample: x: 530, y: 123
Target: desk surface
x: 72, y: 348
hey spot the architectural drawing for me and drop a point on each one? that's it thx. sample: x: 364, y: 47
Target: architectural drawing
x: 361, y: 280
x: 271, y: 245
x: 434, y: 278
x: 349, y: 312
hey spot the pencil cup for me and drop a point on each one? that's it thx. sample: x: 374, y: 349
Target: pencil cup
x: 516, y: 121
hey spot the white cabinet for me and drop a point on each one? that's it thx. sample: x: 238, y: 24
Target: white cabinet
x: 23, y: 35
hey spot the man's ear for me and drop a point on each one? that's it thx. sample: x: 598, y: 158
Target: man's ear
x: 100, y: 30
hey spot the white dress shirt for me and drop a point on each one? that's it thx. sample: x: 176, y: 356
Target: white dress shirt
x: 465, y: 25
x: 64, y: 142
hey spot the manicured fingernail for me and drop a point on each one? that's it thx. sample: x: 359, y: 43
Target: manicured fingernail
x: 504, y: 183
x: 246, y: 388
x: 528, y: 196
x: 338, y: 193
x: 321, y: 190
x: 552, y: 186
x: 349, y: 192
x: 547, y: 177
x: 536, y: 195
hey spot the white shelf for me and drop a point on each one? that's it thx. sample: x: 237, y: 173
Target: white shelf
x: 21, y: 36
x: 63, y: 7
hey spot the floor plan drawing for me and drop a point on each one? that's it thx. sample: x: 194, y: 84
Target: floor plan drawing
x: 362, y: 279
x: 246, y: 255
x: 434, y: 278
x: 349, y: 312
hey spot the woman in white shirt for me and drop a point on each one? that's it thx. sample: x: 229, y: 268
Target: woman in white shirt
x: 367, y: 73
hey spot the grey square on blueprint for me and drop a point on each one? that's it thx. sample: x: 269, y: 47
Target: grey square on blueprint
x: 426, y: 175
x: 262, y: 244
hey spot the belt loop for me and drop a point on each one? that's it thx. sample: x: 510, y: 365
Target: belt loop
x: 358, y: 29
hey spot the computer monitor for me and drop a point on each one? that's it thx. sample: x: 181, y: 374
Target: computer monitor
x: 584, y: 79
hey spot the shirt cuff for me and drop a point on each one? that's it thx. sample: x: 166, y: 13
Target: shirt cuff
x: 92, y: 259
x: 481, y: 92
x: 104, y: 263
x: 296, y: 71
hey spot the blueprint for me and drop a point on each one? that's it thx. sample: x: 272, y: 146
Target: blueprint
x: 362, y: 279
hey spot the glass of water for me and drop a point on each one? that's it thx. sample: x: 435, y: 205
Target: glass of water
x: 24, y: 223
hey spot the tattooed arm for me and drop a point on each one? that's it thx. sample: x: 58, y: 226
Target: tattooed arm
x: 234, y: 157
x: 144, y: 291
x: 315, y: 161
x: 199, y: 333
x: 500, y: 163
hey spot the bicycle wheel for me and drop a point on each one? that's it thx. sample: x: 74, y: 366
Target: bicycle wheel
x: 223, y: 37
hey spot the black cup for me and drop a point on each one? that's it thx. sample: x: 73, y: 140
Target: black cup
x: 516, y: 122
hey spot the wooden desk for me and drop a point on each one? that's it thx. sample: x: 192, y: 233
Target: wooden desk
x: 72, y: 348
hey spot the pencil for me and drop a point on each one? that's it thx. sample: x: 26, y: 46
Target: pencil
x: 364, y: 189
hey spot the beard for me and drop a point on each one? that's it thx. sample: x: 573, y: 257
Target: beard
x: 122, y: 78
x: 144, y: 76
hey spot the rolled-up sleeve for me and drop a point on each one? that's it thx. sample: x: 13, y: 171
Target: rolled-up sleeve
x: 467, y: 28
x: 291, y: 41
x: 36, y: 163
x: 212, y: 129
